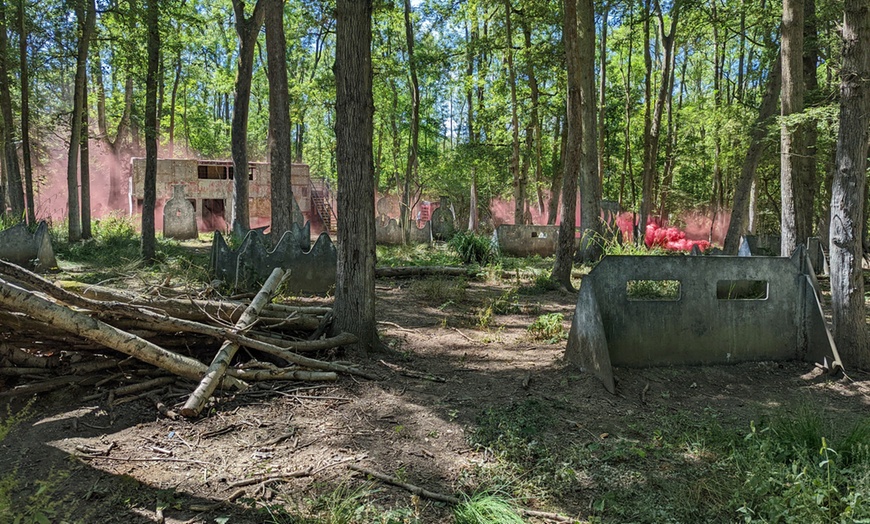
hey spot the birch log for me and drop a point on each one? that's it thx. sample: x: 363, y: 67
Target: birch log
x: 221, y: 361
x: 16, y: 299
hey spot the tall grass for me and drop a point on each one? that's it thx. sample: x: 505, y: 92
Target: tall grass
x: 797, y: 467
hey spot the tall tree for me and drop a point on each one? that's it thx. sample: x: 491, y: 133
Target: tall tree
x: 247, y: 29
x: 792, y: 151
x: 25, y: 113
x: 85, y: 166
x: 15, y: 190
x: 564, y: 259
x: 847, y: 196
x: 86, y: 15
x: 590, y: 249
x: 279, y: 120
x: 354, y: 111
x: 149, y: 240
x: 653, y: 122
x: 471, y: 37
x: 519, y: 182
x: 739, y: 223
x: 413, y: 162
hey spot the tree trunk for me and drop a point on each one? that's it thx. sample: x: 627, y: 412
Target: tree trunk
x: 847, y: 283
x: 533, y: 130
x: 743, y: 190
x: 15, y: 190
x: 654, y: 123
x: 86, y: 15
x: 149, y: 240
x: 809, y: 174
x: 247, y: 29
x: 173, y: 98
x: 791, y: 136
x: 602, y: 91
x: 413, y: 162
x: 473, y: 215
x: 355, y: 279
x: 646, y: 199
x: 85, y: 166
x: 516, y: 175
x: 559, y: 138
x: 591, y: 248
x: 564, y: 259
x: 25, y: 115
x: 97, y: 74
x: 279, y: 120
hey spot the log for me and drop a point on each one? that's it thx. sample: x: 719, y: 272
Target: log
x: 424, y: 271
x: 282, y: 374
x: 190, y: 309
x: 221, y: 361
x: 16, y: 299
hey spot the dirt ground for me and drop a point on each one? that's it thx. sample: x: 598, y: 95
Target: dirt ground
x: 413, y: 428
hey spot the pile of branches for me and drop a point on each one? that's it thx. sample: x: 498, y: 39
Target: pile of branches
x: 37, y: 317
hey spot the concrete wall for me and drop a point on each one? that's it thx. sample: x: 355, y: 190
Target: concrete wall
x: 523, y: 241
x: 29, y: 250
x: 312, y: 271
x: 701, y: 325
x: 171, y: 172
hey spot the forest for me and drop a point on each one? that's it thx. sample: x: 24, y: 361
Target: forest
x: 466, y: 94
x: 458, y: 402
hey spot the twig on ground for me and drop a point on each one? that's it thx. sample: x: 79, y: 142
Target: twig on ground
x: 413, y: 374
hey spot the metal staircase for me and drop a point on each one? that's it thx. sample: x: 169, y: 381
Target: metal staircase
x: 323, y: 199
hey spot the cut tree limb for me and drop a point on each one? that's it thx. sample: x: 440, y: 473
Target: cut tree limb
x: 221, y: 361
x: 17, y: 299
x: 423, y: 271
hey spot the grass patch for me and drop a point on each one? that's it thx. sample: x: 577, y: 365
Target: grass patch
x: 486, y: 508
x: 472, y: 248
x: 548, y: 327
x: 684, y: 467
x: 114, y: 251
x: 416, y: 255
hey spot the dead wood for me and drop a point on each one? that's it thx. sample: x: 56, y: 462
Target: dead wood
x: 20, y: 357
x: 161, y: 407
x: 139, y: 387
x: 282, y: 374
x: 270, y: 478
x: 413, y: 374
x: 17, y: 299
x: 449, y: 499
x: 416, y: 490
x: 221, y: 361
x: 423, y: 271
x: 187, y: 308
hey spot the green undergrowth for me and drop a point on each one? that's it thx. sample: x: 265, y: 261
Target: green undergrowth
x: 114, y: 251
x: 41, y: 505
x: 416, y: 255
x: 794, y: 467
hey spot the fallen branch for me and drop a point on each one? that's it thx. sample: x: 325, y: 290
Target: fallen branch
x: 420, y: 271
x: 221, y: 361
x: 270, y: 478
x: 413, y: 374
x: 416, y: 490
x: 449, y: 499
x: 17, y: 299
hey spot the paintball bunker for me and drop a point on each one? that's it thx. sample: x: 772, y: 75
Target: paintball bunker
x: 312, y: 270
x: 388, y: 231
x: 769, y: 245
x: 29, y: 250
x: 716, y: 310
x: 524, y: 241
